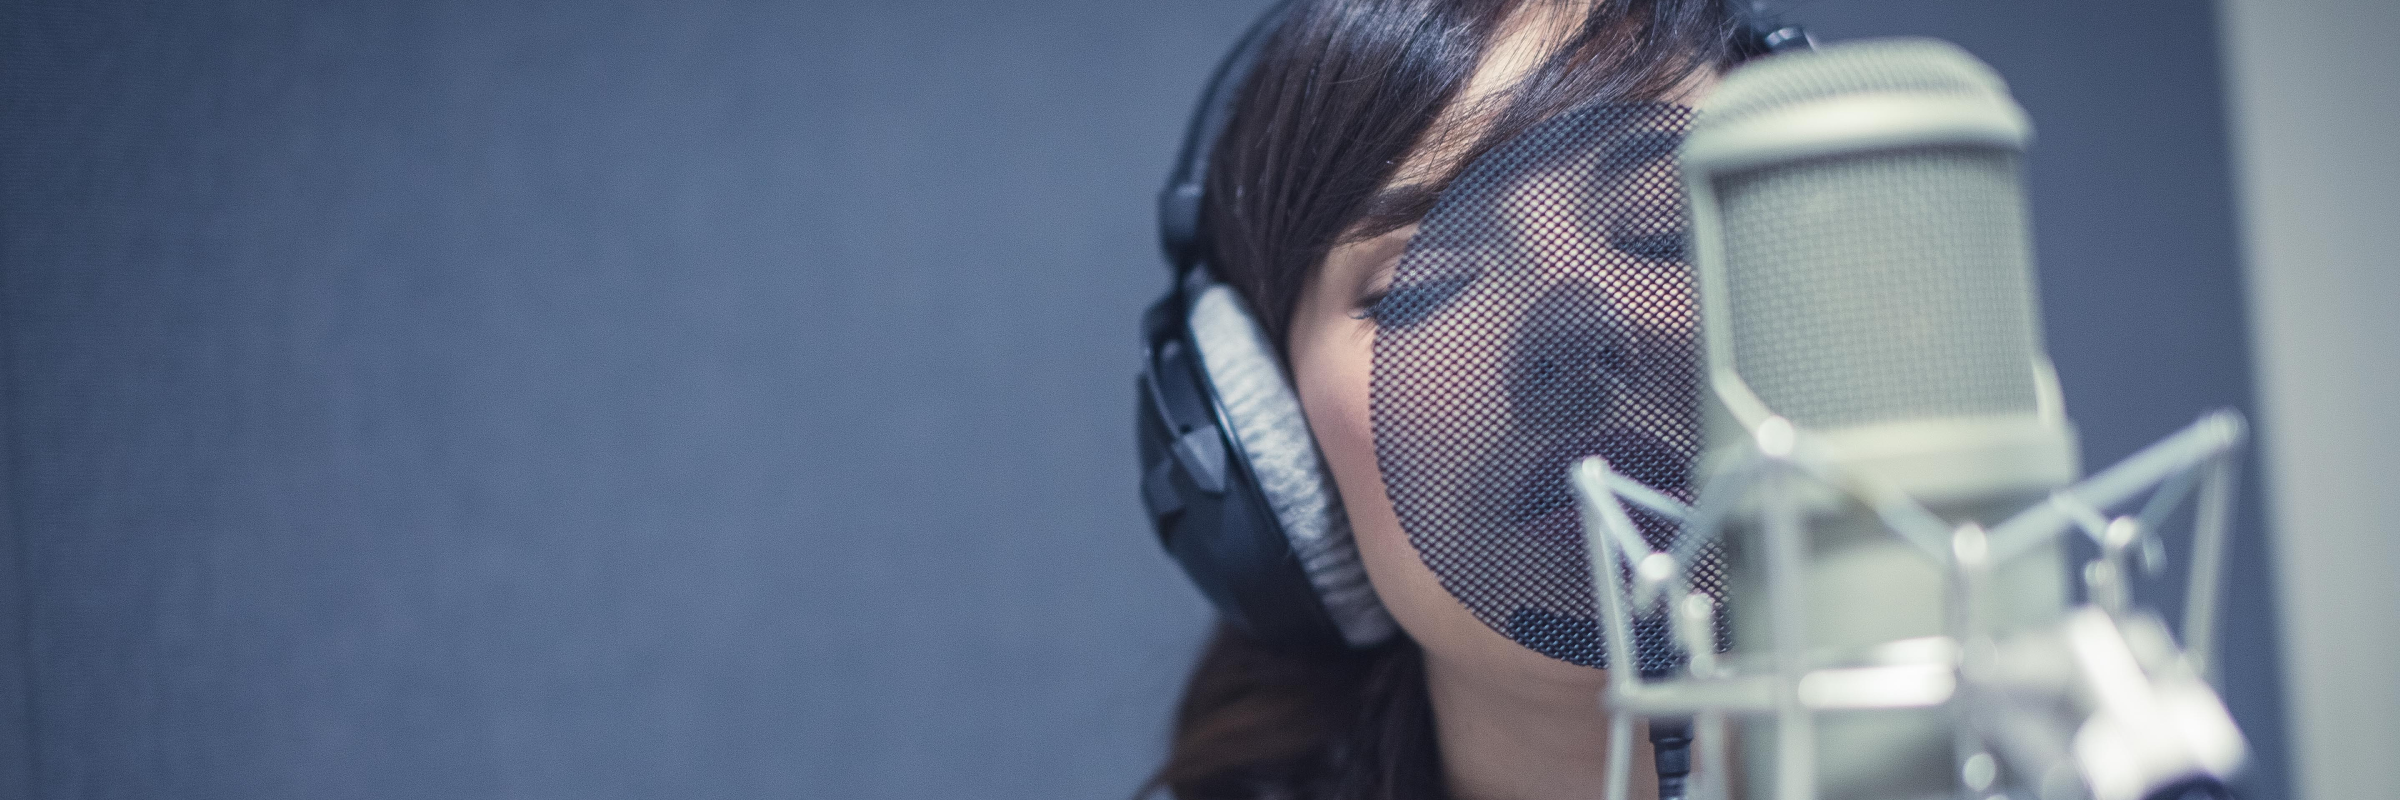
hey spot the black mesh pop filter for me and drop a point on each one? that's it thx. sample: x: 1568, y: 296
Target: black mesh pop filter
x: 1543, y: 312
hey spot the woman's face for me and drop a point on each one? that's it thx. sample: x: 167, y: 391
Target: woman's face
x: 1332, y: 347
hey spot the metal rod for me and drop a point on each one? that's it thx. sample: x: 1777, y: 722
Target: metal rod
x: 1620, y: 754
x: 2214, y: 433
x: 2209, y: 526
x: 2154, y: 513
x: 1898, y: 512
x: 1786, y: 550
x: 1969, y: 626
x: 1651, y: 500
x: 1602, y: 519
x: 1710, y: 765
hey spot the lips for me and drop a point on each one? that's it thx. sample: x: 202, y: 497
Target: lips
x: 1632, y: 452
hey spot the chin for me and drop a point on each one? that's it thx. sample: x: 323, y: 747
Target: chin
x: 1454, y: 641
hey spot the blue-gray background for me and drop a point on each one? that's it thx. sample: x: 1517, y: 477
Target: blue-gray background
x: 582, y: 400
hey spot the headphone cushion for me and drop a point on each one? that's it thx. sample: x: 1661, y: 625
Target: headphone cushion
x: 1270, y: 434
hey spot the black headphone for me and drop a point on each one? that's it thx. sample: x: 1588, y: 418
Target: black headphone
x: 1231, y: 477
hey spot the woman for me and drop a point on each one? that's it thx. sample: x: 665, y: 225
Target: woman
x: 1356, y: 117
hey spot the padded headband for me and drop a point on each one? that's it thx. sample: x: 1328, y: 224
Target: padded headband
x: 1179, y: 205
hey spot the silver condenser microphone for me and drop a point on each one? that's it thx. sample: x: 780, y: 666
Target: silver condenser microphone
x: 1866, y: 280
x: 1890, y: 469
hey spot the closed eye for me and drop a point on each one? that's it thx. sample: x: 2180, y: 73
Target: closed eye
x: 1410, y: 303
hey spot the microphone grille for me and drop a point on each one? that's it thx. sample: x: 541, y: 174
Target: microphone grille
x: 1882, y: 285
x: 1877, y: 288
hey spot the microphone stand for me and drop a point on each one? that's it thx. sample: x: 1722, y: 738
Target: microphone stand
x: 1671, y: 753
x: 1670, y: 736
x: 2105, y: 704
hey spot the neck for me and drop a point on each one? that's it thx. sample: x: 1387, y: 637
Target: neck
x: 1520, y: 736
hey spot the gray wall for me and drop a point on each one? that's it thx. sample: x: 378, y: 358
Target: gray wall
x: 2313, y: 82
x: 581, y: 400
x: 585, y: 400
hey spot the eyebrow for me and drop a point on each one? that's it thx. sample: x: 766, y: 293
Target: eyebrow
x: 1393, y: 208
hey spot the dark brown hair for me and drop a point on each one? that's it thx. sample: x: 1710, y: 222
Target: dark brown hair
x: 1346, y: 90
x: 1343, y: 92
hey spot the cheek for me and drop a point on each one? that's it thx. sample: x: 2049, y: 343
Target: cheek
x: 1333, y: 366
x: 1332, y: 373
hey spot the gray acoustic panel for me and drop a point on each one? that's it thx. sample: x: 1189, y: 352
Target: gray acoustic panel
x: 2313, y: 93
x: 546, y: 400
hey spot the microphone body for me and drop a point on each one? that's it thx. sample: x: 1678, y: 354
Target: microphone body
x: 1889, y: 475
x: 1866, y: 285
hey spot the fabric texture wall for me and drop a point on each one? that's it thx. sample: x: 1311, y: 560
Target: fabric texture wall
x: 521, y: 399
x: 578, y: 400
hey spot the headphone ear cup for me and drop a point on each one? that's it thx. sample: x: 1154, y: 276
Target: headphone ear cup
x: 1231, y: 478
x: 1273, y: 451
x: 1204, y: 503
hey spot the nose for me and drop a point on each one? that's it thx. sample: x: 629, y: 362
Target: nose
x: 1572, y: 356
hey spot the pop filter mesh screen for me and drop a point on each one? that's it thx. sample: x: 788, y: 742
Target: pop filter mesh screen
x: 1544, y: 311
